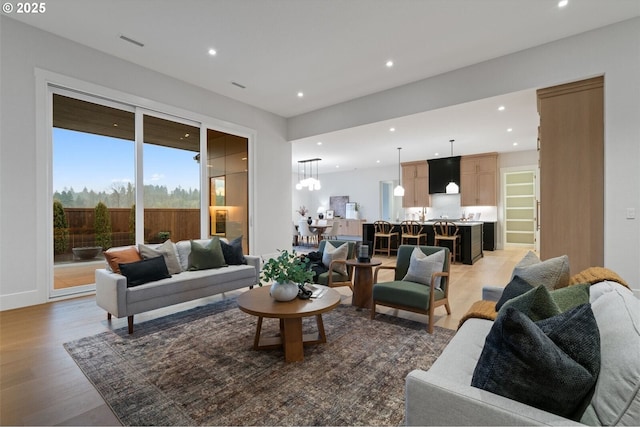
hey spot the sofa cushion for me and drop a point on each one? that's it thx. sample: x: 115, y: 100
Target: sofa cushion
x: 552, y: 364
x: 232, y: 251
x: 338, y: 253
x: 537, y: 304
x: 405, y: 293
x: 422, y: 267
x: 115, y: 256
x: 166, y: 250
x: 516, y: 287
x: 203, y: 257
x: 552, y: 273
x: 144, y: 271
x: 616, y: 400
x: 571, y: 296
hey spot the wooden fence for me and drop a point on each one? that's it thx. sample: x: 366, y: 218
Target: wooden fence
x: 182, y: 224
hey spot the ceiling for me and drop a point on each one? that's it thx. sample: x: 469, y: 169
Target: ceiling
x: 334, y: 51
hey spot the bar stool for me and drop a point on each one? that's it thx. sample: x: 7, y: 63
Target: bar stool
x: 443, y: 233
x: 412, y: 230
x: 382, y: 230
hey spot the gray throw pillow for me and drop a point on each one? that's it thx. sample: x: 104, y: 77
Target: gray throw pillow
x: 167, y: 250
x: 206, y: 257
x: 422, y: 267
x: 331, y: 253
x: 552, y: 365
x: 552, y: 273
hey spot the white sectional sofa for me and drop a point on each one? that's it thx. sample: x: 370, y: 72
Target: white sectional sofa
x: 113, y: 295
x: 443, y: 395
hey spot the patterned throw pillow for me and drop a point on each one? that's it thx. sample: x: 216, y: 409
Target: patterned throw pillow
x: 335, y: 253
x: 422, y: 266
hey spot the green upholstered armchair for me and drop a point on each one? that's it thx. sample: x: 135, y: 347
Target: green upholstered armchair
x: 412, y: 296
x: 332, y: 278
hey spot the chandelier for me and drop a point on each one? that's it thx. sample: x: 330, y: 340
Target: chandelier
x: 305, y: 175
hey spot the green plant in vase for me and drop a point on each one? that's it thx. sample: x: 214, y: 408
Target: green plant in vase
x: 286, y: 272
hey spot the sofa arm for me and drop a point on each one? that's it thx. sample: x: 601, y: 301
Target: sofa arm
x: 256, y: 262
x: 433, y: 400
x: 492, y: 293
x: 111, y: 292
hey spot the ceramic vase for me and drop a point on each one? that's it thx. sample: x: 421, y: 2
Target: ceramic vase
x: 284, y: 291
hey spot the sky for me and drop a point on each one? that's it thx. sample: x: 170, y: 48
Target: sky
x: 100, y: 163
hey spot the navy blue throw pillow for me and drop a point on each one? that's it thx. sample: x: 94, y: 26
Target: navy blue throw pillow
x: 552, y: 364
x: 516, y: 287
x: 147, y: 270
x: 232, y: 252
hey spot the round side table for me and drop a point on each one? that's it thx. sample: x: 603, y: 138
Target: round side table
x: 362, y: 281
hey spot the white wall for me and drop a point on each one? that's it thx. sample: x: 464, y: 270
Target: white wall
x: 611, y: 51
x: 25, y: 268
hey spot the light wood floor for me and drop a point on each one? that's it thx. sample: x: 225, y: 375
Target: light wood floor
x: 41, y: 385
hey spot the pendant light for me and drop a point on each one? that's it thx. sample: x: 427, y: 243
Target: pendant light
x: 308, y: 180
x: 399, y: 190
x: 452, y: 187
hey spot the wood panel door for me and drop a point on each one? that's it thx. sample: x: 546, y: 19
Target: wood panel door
x: 572, y: 172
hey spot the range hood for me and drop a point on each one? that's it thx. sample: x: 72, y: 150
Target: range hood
x: 442, y: 172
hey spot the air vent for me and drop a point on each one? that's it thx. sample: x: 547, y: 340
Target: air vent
x: 130, y: 40
x: 239, y: 85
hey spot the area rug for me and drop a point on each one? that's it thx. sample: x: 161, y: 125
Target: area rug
x: 198, y: 367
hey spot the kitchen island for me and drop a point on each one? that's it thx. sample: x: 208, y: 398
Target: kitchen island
x: 470, y: 238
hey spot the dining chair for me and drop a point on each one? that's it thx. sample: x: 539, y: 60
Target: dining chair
x: 295, y: 233
x: 383, y: 232
x: 306, y: 233
x: 332, y: 232
x: 447, y: 231
x: 412, y: 230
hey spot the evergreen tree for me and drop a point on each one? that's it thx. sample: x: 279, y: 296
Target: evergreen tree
x: 102, y: 226
x: 60, y: 228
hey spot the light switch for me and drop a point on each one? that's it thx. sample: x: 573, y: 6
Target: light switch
x: 631, y: 213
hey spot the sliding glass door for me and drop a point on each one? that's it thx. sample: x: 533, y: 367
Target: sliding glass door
x: 124, y: 175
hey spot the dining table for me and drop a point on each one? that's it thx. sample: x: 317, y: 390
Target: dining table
x: 319, y: 230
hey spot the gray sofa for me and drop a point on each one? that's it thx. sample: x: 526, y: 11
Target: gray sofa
x: 113, y: 295
x: 443, y: 394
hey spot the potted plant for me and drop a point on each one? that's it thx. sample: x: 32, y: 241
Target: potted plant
x: 286, y: 272
x: 303, y: 211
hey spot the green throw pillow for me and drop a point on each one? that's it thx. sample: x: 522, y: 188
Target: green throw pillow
x: 551, y: 365
x: 571, y: 296
x: 206, y: 257
x: 537, y: 304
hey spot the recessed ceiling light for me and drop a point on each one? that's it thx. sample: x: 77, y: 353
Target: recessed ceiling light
x: 392, y: 129
x: 319, y: 142
x: 377, y: 161
x: 436, y: 154
x: 300, y: 94
x: 509, y: 130
x: 389, y: 64
x: 515, y: 144
x: 337, y: 166
x: 212, y: 52
x: 563, y: 3
x: 501, y: 108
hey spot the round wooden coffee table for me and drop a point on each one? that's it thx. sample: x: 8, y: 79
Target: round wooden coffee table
x: 258, y: 302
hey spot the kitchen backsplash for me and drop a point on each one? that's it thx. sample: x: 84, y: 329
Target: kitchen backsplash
x: 448, y: 206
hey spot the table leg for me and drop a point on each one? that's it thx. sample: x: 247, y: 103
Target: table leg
x: 292, y: 339
x: 362, y: 287
x: 256, y: 339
